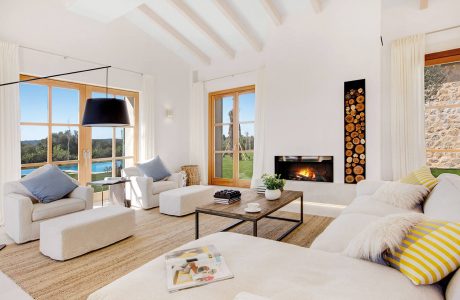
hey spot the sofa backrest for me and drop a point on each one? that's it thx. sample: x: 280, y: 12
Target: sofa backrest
x: 132, y: 171
x: 443, y: 203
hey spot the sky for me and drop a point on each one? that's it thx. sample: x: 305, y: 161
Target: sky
x: 247, y: 111
x: 65, y: 109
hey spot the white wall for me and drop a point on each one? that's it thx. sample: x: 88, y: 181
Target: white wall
x: 47, y: 25
x: 404, y: 18
x: 307, y: 61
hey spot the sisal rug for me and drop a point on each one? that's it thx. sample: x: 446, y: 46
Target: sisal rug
x: 44, y: 278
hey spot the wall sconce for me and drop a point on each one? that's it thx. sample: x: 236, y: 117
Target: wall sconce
x: 169, y: 113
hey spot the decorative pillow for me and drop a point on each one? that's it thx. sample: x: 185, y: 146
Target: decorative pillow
x: 428, y: 253
x: 155, y: 169
x: 49, y: 186
x: 385, y: 233
x: 421, y: 176
x: 401, y: 195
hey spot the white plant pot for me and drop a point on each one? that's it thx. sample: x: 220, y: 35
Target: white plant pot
x: 272, y: 194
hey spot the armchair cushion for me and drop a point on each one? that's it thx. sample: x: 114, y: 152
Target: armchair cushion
x: 50, y: 186
x: 163, y: 186
x: 42, y: 211
x: 154, y: 169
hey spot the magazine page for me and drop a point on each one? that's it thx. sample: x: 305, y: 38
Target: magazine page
x: 195, y: 267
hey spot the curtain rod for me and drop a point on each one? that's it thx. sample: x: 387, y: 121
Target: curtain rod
x: 231, y: 75
x: 79, y: 59
x: 444, y: 29
x: 55, y: 75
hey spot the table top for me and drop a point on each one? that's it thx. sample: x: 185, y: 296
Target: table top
x: 236, y: 210
x: 108, y: 182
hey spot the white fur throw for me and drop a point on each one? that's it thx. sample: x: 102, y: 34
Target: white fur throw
x: 385, y: 233
x: 401, y: 195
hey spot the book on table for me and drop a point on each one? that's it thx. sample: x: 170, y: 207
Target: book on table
x: 194, y: 267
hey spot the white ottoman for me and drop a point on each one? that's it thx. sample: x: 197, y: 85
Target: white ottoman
x: 183, y: 201
x: 81, y: 232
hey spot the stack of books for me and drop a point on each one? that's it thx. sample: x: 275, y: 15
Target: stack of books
x: 227, y: 196
x: 260, y: 189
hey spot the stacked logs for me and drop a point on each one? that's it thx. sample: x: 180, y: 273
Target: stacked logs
x: 355, y: 137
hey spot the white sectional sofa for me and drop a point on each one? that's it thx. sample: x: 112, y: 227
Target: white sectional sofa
x: 145, y: 192
x: 282, y: 271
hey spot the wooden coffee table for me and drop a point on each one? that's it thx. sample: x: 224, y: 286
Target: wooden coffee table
x: 236, y: 211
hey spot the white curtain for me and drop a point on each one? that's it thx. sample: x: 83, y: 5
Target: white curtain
x: 197, y: 130
x: 259, y: 131
x: 147, y: 118
x: 10, y: 137
x: 407, y: 104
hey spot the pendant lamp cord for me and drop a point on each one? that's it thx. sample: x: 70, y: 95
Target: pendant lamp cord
x: 107, y: 83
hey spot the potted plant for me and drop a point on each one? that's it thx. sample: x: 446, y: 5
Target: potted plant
x: 274, y: 185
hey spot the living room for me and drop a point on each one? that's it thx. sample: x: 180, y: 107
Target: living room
x: 347, y: 114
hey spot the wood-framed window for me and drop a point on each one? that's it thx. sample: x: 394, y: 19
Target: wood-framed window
x: 442, y: 111
x: 231, y: 155
x: 51, y: 130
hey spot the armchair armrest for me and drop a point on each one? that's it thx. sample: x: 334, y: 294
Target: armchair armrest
x: 368, y: 187
x: 84, y: 193
x: 180, y: 178
x: 140, y: 189
x: 18, y: 217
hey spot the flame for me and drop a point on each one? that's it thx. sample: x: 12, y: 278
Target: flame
x: 307, y: 173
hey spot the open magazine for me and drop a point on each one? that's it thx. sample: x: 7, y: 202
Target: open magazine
x: 194, y: 267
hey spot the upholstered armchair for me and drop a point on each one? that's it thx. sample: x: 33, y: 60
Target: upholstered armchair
x: 23, y: 214
x: 144, y: 192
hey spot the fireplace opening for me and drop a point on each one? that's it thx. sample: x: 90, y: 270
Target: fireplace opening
x: 305, y: 168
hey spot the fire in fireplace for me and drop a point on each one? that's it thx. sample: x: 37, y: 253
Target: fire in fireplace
x: 305, y: 168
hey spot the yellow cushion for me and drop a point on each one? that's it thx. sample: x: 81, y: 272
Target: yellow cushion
x: 421, y: 176
x: 428, y: 253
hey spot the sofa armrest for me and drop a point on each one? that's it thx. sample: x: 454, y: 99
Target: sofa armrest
x: 140, y: 190
x: 368, y: 187
x: 84, y: 193
x: 180, y: 178
x: 18, y: 217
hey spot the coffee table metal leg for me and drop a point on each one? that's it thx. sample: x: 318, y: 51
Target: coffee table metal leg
x: 301, y: 209
x: 197, y: 226
x: 254, y: 228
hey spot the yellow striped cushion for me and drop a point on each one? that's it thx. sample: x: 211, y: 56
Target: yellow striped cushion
x: 428, y: 253
x: 421, y: 176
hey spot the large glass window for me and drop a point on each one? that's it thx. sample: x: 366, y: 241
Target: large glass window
x: 442, y: 111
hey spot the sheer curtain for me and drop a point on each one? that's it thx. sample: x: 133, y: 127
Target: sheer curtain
x: 198, y: 129
x: 10, y: 137
x: 259, y: 131
x: 407, y: 104
x: 147, y: 118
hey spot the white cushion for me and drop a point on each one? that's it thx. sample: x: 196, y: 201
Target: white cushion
x: 274, y: 270
x: 183, y: 201
x: 57, y: 208
x: 341, y: 231
x: 443, y: 203
x: 453, y: 288
x: 401, y: 195
x: 367, y: 205
x: 162, y: 186
x: 79, y: 233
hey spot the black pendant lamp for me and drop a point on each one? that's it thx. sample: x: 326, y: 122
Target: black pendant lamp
x: 105, y: 112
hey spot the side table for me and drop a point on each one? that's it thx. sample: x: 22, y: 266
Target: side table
x: 110, y: 182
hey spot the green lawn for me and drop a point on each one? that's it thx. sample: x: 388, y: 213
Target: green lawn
x: 246, y: 164
x: 437, y: 172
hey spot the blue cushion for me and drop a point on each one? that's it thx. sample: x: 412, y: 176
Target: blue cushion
x: 155, y: 169
x: 50, y: 186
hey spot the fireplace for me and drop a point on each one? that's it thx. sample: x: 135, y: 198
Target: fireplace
x: 305, y: 168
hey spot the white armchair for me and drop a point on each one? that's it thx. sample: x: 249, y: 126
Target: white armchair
x: 144, y: 192
x: 24, y: 215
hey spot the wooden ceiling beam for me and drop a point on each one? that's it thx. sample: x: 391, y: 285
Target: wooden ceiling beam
x: 272, y: 11
x: 176, y: 34
x: 316, y: 4
x: 239, y: 23
x: 198, y: 22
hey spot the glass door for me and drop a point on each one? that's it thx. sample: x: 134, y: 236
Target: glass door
x: 231, y: 132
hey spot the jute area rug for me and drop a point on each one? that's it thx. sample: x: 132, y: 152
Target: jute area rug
x: 44, y: 278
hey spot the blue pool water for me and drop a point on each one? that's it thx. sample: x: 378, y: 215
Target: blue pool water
x: 97, y: 167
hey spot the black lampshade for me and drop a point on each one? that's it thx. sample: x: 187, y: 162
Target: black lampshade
x: 105, y: 112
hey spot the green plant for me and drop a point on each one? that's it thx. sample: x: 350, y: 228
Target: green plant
x: 273, y: 182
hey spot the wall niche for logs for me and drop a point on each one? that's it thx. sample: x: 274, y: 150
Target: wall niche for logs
x: 355, y: 131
